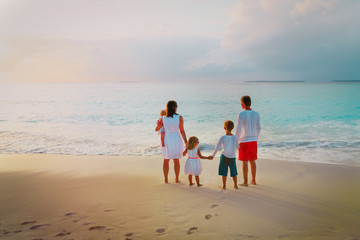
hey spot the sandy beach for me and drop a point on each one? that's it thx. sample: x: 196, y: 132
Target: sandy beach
x: 123, y: 197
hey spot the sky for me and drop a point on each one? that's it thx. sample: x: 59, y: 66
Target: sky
x: 179, y: 40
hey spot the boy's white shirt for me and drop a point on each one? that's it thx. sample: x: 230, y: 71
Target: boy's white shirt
x: 248, y: 126
x: 229, y: 144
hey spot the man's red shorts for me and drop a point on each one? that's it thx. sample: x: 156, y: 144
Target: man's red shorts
x: 248, y: 151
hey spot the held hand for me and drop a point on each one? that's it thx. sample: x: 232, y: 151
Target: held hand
x: 211, y: 157
x: 184, y: 153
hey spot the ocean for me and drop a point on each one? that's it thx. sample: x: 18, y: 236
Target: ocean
x: 308, y: 122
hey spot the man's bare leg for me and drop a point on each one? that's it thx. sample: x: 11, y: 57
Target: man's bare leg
x: 253, y: 172
x: 245, y: 173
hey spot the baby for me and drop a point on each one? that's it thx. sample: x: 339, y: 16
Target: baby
x: 162, y: 129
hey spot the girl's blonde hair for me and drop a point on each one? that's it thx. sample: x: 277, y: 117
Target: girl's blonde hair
x: 192, y: 143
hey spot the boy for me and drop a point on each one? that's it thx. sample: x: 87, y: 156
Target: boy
x: 248, y: 131
x: 227, y: 158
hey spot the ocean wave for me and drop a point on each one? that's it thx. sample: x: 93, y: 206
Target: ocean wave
x: 340, y: 152
x: 311, y: 144
x: 20, y: 142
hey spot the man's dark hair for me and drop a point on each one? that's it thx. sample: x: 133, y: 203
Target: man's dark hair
x: 246, y: 100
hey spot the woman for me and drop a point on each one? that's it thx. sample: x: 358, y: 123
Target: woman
x: 175, y: 138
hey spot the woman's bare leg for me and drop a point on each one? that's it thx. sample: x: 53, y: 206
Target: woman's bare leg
x: 177, y: 170
x: 166, y: 169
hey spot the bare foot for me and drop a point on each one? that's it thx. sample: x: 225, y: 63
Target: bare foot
x: 166, y: 180
x: 177, y: 181
x: 253, y: 183
x: 244, y: 184
x: 199, y: 185
x: 224, y: 187
x: 191, y: 184
x: 236, y: 187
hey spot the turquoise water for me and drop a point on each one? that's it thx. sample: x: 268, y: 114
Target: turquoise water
x: 317, y: 122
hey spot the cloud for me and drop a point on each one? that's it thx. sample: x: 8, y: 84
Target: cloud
x: 109, y: 40
x: 90, y: 40
x: 288, y: 40
x: 113, y: 19
x: 59, y: 60
x: 307, y: 6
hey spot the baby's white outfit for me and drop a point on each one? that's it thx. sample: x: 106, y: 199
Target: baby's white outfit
x: 193, y: 164
x: 161, y: 130
x: 163, y: 149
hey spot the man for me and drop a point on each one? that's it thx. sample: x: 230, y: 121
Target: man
x: 248, y: 131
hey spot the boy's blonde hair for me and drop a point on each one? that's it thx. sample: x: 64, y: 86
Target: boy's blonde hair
x: 192, y: 143
x: 162, y: 112
x: 229, y: 125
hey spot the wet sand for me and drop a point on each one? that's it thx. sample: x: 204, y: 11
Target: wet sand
x: 111, y: 197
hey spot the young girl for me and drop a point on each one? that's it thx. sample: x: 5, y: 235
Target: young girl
x: 193, y: 164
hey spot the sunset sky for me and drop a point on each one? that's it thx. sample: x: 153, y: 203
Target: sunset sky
x: 176, y: 40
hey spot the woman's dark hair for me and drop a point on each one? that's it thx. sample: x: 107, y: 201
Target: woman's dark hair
x: 171, y: 107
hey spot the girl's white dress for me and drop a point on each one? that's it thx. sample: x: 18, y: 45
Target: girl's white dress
x: 193, y: 164
x: 174, y: 143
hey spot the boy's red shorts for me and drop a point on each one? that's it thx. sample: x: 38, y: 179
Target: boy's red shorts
x: 248, y: 151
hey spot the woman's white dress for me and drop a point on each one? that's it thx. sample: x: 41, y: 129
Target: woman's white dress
x: 193, y: 164
x: 174, y: 143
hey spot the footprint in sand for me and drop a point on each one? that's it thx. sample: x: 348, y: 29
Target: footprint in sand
x: 246, y: 236
x: 284, y: 236
x: 38, y: 226
x: 214, y: 205
x: 108, y: 210
x: 161, y: 230
x: 6, y: 232
x: 129, y: 234
x: 88, y: 223
x: 28, y: 222
x: 70, y: 213
x: 208, y: 216
x: 192, y: 230
x: 63, y: 233
x: 97, y: 228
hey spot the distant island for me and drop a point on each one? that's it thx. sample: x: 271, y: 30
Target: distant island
x: 276, y: 81
x: 350, y: 81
